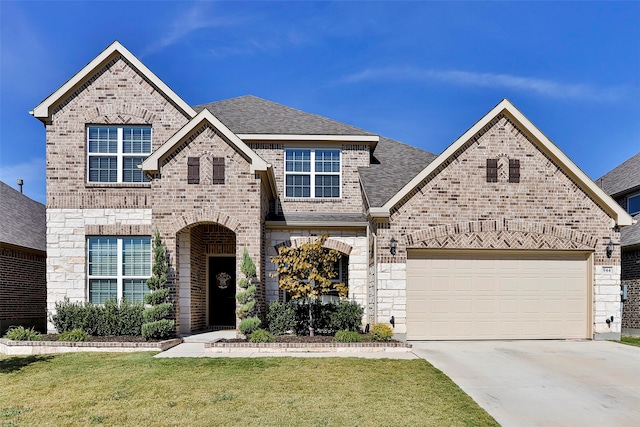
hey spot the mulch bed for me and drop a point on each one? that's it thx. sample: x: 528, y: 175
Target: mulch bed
x: 302, y: 339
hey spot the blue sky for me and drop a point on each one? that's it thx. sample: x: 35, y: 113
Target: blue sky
x: 418, y: 72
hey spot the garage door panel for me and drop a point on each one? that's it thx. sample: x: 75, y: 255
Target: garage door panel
x: 482, y: 295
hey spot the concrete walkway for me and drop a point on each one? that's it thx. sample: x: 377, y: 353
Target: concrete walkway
x: 193, y: 346
x: 544, y: 383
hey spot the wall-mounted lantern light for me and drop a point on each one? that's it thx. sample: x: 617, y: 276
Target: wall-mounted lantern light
x: 393, y: 244
x: 609, y: 249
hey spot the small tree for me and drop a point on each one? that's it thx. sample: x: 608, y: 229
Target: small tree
x: 307, y: 272
x: 247, y: 298
x: 157, y: 323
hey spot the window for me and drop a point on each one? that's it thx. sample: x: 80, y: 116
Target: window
x: 114, y: 153
x: 514, y: 170
x: 118, y: 267
x: 342, y: 267
x: 312, y: 173
x: 633, y: 204
x: 492, y: 170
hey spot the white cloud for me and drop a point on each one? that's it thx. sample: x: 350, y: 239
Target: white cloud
x: 32, y: 172
x: 195, y: 18
x: 549, y: 88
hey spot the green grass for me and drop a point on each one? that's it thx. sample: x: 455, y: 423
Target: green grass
x: 635, y: 341
x: 136, y: 389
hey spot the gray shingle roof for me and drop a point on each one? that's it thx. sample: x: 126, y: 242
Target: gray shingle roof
x: 323, y: 218
x: 623, y: 178
x: 252, y: 115
x: 630, y: 235
x: 22, y: 220
x: 393, y: 165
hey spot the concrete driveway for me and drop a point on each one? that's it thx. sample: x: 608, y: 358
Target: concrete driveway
x: 544, y: 383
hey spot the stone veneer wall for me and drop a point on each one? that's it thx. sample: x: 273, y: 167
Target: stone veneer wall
x: 358, y: 260
x: 67, y: 232
x: 455, y: 208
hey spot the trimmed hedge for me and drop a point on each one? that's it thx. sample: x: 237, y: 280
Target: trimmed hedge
x: 99, y: 320
x: 283, y: 317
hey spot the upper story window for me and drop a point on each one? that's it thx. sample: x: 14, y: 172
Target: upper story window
x: 633, y: 204
x: 312, y: 173
x: 118, y: 267
x: 114, y: 153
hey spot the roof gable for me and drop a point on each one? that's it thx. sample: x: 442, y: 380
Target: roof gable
x: 43, y: 110
x: 152, y: 163
x: 537, y: 137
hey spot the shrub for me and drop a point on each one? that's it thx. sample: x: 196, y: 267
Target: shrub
x: 381, y: 332
x: 281, y: 317
x: 158, y: 312
x: 347, y: 316
x: 158, y: 330
x: 249, y: 325
x: 20, y: 333
x: 110, y: 319
x: 260, y: 335
x: 348, y: 336
x: 321, y: 317
x: 75, y: 335
x: 157, y: 297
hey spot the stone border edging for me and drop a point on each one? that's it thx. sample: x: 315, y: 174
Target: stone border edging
x: 281, y: 347
x: 16, y: 348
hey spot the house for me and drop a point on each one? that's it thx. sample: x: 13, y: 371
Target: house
x: 623, y: 184
x: 23, y: 258
x: 500, y: 236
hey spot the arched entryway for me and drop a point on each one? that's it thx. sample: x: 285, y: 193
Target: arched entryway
x: 207, y: 276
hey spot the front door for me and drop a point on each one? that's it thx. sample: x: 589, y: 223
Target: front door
x: 222, y: 291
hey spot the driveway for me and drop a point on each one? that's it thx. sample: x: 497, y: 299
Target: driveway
x: 544, y: 383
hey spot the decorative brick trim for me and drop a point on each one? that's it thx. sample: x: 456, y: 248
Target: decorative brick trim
x: 330, y: 243
x: 121, y: 114
x: 118, y: 230
x: 500, y: 234
x: 204, y: 216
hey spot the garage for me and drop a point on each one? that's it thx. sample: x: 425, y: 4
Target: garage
x: 485, y: 294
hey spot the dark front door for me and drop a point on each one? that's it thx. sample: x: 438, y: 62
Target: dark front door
x: 222, y: 291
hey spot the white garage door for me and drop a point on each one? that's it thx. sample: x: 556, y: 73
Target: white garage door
x: 497, y: 295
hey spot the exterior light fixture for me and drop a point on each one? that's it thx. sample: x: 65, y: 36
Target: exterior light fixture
x: 393, y: 244
x: 609, y: 249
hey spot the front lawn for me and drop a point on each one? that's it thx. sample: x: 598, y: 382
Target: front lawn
x: 635, y: 341
x: 136, y: 389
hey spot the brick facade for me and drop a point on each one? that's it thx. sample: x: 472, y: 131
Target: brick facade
x: 456, y: 208
x: 631, y: 277
x: 23, y: 288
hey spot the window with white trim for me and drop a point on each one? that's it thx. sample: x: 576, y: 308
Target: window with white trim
x: 633, y: 204
x: 114, y: 153
x: 118, y: 267
x: 312, y: 173
x: 342, y: 268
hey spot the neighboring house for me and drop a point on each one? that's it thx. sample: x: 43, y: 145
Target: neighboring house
x: 623, y: 184
x: 500, y: 236
x: 23, y: 261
